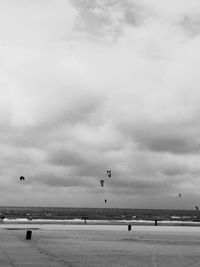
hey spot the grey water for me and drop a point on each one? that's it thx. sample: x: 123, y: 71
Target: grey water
x: 61, y: 213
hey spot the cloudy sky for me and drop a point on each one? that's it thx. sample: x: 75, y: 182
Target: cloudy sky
x: 91, y: 85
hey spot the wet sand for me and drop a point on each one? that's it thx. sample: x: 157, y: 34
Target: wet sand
x: 99, y: 245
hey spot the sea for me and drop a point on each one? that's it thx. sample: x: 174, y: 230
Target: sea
x: 96, y: 215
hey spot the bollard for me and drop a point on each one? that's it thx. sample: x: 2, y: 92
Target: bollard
x: 28, y: 235
x: 156, y: 222
x: 129, y: 227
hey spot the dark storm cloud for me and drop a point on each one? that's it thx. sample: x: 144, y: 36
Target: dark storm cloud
x: 191, y: 25
x: 143, y: 187
x: 179, y: 168
x: 67, y: 157
x: 82, y: 161
x: 172, y: 144
x: 174, y: 171
x: 60, y: 180
x: 173, y: 138
x: 55, y: 127
x: 107, y: 18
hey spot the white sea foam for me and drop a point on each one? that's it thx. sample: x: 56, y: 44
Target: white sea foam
x: 25, y: 220
x: 99, y: 222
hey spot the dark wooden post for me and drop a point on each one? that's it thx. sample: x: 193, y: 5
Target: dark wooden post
x: 129, y: 227
x: 156, y: 222
x: 28, y: 235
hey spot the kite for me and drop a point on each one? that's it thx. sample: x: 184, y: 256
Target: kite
x: 109, y: 173
x: 101, y: 182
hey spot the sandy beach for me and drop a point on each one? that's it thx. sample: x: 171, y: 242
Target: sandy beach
x: 99, y: 245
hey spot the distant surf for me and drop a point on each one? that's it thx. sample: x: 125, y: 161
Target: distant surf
x: 99, y: 222
x: 98, y: 216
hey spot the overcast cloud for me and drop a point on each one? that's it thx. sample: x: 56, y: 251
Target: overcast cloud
x: 91, y: 85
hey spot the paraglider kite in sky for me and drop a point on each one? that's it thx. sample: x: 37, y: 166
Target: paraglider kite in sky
x: 109, y: 173
x: 22, y: 178
x: 101, y: 182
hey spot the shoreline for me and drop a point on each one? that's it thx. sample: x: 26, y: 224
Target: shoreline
x: 98, y: 222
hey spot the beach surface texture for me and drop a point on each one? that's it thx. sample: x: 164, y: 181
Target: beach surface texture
x: 86, y: 245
